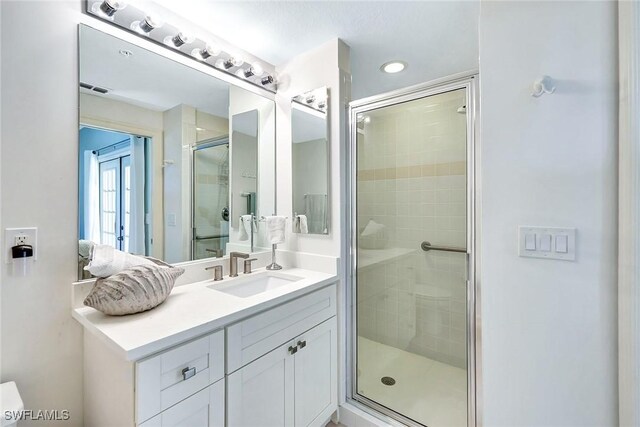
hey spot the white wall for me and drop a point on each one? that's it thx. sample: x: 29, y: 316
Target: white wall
x: 41, y: 345
x: 549, y: 327
x: 327, y: 65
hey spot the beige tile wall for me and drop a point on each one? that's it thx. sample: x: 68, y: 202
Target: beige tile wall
x: 412, y: 179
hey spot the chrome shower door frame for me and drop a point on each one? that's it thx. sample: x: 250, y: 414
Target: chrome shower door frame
x: 468, y: 82
x: 214, y: 142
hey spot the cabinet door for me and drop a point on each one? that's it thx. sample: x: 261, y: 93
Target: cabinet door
x: 203, y: 409
x: 261, y: 393
x: 316, y: 382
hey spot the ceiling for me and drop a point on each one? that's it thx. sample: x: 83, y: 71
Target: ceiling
x: 146, y: 79
x: 435, y: 38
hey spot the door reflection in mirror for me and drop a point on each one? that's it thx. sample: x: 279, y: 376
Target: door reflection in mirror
x: 113, y: 192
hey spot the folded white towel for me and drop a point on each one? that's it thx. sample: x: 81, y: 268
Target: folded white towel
x: 372, y: 228
x: 301, y: 224
x: 245, y: 227
x: 107, y: 261
x: 275, y: 229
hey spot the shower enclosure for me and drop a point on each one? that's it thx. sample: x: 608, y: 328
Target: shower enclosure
x: 210, y: 198
x: 412, y: 276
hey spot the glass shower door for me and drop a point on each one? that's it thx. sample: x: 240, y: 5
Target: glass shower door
x: 411, y: 259
x: 210, y: 199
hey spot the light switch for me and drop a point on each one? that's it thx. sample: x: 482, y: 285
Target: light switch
x: 562, y: 241
x: 530, y: 241
x: 545, y: 242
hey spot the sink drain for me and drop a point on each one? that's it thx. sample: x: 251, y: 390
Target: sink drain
x: 387, y: 381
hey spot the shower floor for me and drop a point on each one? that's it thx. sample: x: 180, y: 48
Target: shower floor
x: 428, y: 391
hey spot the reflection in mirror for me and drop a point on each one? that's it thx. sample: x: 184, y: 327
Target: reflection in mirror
x: 210, y: 182
x: 244, y: 169
x: 155, y: 154
x: 310, y: 157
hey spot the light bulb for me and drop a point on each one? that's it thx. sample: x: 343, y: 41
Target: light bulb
x: 220, y: 64
x: 236, y: 60
x: 267, y: 80
x: 254, y: 70
x: 310, y: 99
x: 178, y: 40
x: 107, y: 8
x: 208, y: 51
x: 146, y: 25
x: 240, y: 73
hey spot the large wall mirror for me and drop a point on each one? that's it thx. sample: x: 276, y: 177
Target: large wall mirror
x: 310, y: 162
x: 170, y: 158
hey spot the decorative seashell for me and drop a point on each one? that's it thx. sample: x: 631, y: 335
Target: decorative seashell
x: 133, y: 290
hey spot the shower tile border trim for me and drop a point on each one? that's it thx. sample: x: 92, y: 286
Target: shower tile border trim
x: 415, y: 171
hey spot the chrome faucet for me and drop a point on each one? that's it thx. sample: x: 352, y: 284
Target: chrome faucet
x: 233, y: 260
x: 217, y: 272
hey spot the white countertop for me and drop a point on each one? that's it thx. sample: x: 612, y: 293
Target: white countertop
x: 190, y: 311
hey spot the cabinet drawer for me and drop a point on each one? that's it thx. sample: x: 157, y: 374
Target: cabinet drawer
x: 203, y: 409
x: 251, y: 338
x: 169, y: 377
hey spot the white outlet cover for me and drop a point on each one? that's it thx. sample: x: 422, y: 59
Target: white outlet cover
x: 10, y: 235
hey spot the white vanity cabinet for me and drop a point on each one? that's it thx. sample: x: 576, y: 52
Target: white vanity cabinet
x: 293, y: 385
x: 274, y: 368
x: 281, y: 364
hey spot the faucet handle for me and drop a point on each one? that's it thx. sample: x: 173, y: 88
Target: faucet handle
x: 238, y: 255
x: 218, y: 252
x: 217, y: 272
x: 247, y: 265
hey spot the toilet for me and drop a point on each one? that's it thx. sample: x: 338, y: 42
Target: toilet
x: 10, y: 404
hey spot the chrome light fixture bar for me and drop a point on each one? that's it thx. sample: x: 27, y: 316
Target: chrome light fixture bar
x: 154, y: 28
x: 317, y: 100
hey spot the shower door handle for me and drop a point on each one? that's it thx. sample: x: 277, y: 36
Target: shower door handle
x: 427, y: 246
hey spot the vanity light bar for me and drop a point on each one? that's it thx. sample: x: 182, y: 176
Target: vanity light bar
x: 153, y: 28
x: 310, y: 100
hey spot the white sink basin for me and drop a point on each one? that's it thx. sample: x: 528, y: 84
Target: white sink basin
x: 254, y: 284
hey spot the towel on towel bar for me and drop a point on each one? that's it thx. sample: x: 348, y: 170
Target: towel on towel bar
x: 275, y: 229
x: 245, y: 227
x: 300, y: 225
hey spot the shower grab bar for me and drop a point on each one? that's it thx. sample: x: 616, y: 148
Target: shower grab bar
x: 426, y: 246
x: 217, y: 236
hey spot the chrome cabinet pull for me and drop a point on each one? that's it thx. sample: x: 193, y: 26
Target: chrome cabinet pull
x: 188, y: 373
x: 302, y: 344
x: 293, y: 349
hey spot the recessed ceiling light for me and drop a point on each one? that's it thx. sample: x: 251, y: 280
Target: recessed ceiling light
x: 392, y: 67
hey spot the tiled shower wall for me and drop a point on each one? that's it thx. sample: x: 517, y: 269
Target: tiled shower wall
x: 412, y: 179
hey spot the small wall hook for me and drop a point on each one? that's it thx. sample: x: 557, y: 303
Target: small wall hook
x: 542, y: 85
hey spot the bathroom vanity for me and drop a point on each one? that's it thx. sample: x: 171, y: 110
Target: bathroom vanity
x: 257, y: 350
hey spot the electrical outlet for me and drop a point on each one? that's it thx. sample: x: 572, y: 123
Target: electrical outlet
x: 20, y: 236
x: 21, y: 239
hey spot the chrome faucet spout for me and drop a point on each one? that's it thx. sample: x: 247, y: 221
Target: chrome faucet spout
x: 233, y: 261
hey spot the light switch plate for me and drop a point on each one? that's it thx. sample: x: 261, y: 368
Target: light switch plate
x: 544, y: 237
